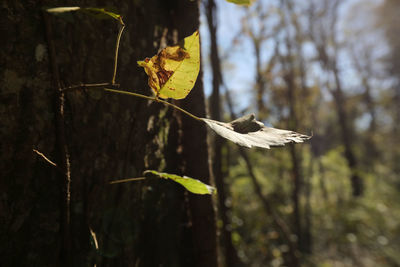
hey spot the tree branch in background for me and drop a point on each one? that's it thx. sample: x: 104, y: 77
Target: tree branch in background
x: 328, y: 36
x: 280, y: 224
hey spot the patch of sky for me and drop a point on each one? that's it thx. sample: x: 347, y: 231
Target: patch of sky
x: 237, y: 53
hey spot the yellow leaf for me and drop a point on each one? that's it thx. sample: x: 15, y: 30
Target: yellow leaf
x: 174, y: 70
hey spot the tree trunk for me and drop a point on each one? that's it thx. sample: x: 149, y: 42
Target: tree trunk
x: 327, y: 37
x: 356, y: 181
x: 230, y: 254
x: 195, y: 155
x: 296, y: 171
x: 54, y: 216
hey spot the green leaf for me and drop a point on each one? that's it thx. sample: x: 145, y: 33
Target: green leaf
x: 104, y: 12
x: 174, y: 70
x: 192, y: 185
x: 93, y: 10
x: 240, y: 2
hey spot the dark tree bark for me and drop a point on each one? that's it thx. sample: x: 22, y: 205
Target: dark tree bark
x: 62, y: 153
x: 195, y: 157
x: 196, y: 165
x: 96, y: 137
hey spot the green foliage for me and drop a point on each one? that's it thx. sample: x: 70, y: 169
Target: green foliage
x: 174, y: 70
x: 343, y: 229
x: 192, y: 185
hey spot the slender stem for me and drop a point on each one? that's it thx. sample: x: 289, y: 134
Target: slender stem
x: 44, y: 157
x: 116, y: 51
x: 154, y: 99
x: 93, y: 234
x: 86, y: 85
x: 127, y: 180
x: 178, y: 108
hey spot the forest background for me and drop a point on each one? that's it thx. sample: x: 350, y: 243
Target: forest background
x: 329, y: 68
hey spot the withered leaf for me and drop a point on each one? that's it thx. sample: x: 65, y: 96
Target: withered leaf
x: 247, y: 131
x: 174, y: 70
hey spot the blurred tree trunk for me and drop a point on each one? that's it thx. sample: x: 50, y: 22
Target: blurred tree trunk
x: 390, y: 21
x: 303, y: 111
x: 347, y: 134
x: 96, y: 137
x: 260, y: 82
x: 322, y: 38
x: 289, y: 61
x: 281, y: 226
x: 296, y: 165
x: 371, y: 149
x: 258, y: 36
x: 230, y: 254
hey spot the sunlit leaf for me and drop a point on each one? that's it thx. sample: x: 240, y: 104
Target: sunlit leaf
x: 247, y: 131
x: 63, y: 9
x: 104, y: 12
x: 240, y: 2
x: 174, y: 70
x: 192, y: 185
x: 92, y: 10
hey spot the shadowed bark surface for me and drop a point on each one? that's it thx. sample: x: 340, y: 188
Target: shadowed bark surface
x: 108, y: 137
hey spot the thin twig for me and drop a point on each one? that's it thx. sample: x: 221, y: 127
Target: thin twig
x: 96, y: 244
x: 93, y: 234
x: 86, y: 85
x: 127, y: 180
x: 78, y: 86
x: 44, y: 157
x: 116, y: 50
x: 154, y: 99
